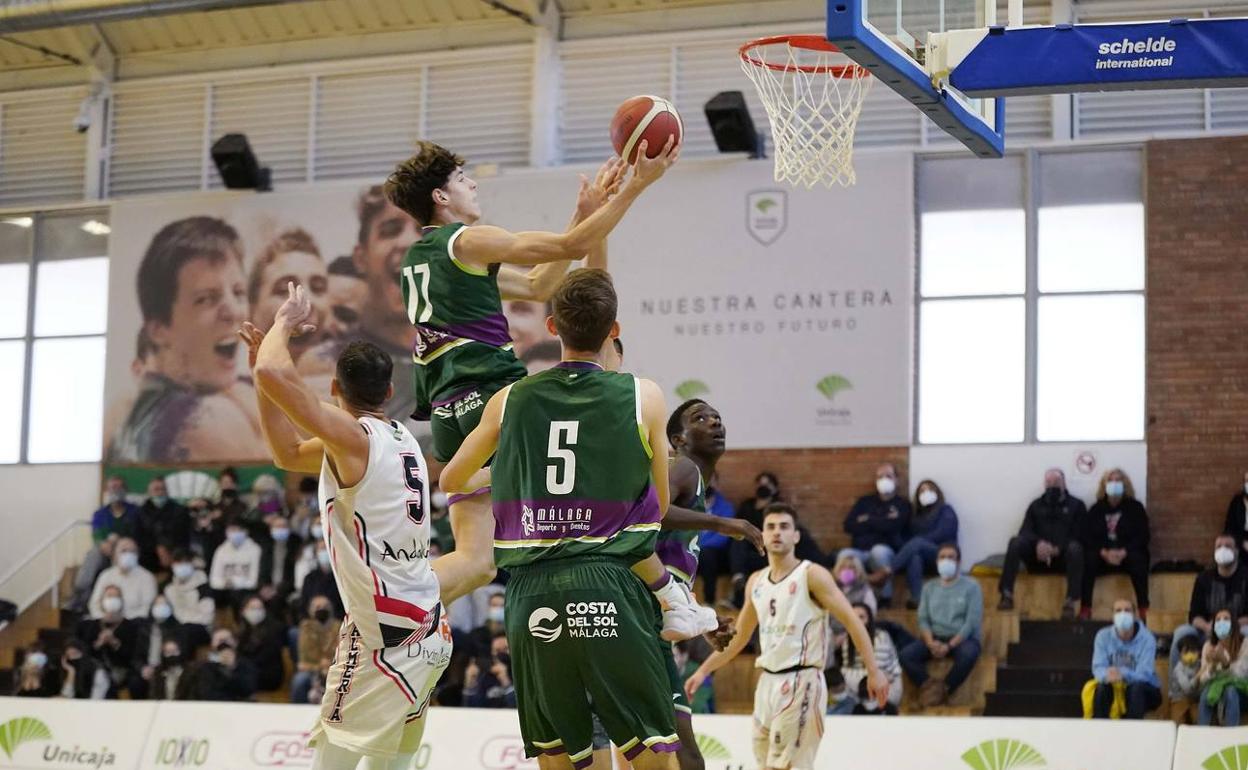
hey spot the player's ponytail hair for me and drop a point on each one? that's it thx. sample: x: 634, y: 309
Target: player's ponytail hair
x: 410, y: 186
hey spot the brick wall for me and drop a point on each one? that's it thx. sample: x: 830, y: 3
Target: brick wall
x: 1197, y: 344
x: 822, y: 483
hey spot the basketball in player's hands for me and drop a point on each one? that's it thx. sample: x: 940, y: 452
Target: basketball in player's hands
x: 651, y: 118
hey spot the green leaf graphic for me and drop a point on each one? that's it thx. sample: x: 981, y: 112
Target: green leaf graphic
x: 15, y: 732
x: 711, y: 748
x: 764, y: 205
x: 832, y: 384
x: 1230, y: 758
x: 692, y: 389
x: 1002, y: 754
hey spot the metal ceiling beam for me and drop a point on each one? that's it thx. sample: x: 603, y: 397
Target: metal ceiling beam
x: 46, y: 14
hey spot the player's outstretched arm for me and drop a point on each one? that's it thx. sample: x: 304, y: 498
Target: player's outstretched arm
x: 747, y: 621
x: 825, y: 593
x: 466, y: 471
x: 289, y: 451
x: 482, y: 245
x: 277, y: 379
x: 654, y: 418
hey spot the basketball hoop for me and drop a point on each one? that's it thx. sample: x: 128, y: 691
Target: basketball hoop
x: 813, y: 100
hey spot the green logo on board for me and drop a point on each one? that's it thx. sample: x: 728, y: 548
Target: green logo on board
x: 1002, y: 754
x: 832, y: 384
x: 692, y: 389
x: 1230, y: 758
x: 15, y: 732
x: 711, y: 748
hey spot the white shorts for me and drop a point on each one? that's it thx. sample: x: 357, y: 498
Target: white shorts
x: 372, y: 696
x: 788, y: 718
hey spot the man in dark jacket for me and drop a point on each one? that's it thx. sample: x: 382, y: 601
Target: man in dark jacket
x: 1048, y: 542
x: 164, y: 526
x: 224, y: 676
x: 876, y: 525
x: 1224, y: 585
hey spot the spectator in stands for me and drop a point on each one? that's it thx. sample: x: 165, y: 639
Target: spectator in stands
x: 950, y: 615
x: 207, y: 530
x: 1048, y: 541
x: 111, y: 637
x: 480, y: 638
x: 224, y: 676
x: 851, y: 577
x: 35, y: 678
x: 743, y: 559
x: 1237, y: 515
x: 713, y: 560
x: 261, y: 638
x: 150, y: 636
x: 235, y: 566
x: 1184, y: 681
x: 487, y: 682
x: 190, y: 597
x: 279, y: 552
x: 229, y: 501
x: 164, y: 526
x: 688, y: 655
x: 84, y: 676
x: 320, y: 582
x: 167, y: 677
x: 854, y: 670
x: 1115, y: 539
x: 118, y: 516
x: 1224, y: 670
x: 98, y: 559
x: 137, y: 585
x: 934, y: 522
x: 318, y: 639
x: 1225, y: 584
x: 269, y: 503
x: 876, y: 525
x: 1125, y: 654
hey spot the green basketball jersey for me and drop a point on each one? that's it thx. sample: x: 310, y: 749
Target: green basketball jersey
x: 679, y: 549
x: 463, y: 339
x: 572, y: 472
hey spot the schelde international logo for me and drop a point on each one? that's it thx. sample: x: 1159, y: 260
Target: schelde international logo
x: 544, y: 624
x: 15, y: 732
x: 1002, y: 754
x: 766, y: 215
x: 1229, y: 758
x: 692, y: 389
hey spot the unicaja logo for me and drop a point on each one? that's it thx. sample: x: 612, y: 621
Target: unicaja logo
x: 15, y: 732
x: 1229, y: 758
x: 544, y: 624
x: 832, y: 384
x: 712, y: 748
x: 692, y: 389
x: 1002, y: 754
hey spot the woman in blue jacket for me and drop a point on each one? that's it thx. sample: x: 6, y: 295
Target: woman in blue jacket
x: 934, y: 522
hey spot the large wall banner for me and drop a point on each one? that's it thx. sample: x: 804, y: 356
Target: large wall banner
x: 777, y: 305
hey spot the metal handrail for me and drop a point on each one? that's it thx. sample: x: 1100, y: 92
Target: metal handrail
x: 53, y: 545
x: 46, y: 545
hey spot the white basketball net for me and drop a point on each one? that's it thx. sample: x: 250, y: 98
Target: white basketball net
x: 813, y: 101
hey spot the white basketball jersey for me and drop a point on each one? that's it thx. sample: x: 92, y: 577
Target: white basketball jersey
x: 793, y: 629
x: 378, y: 537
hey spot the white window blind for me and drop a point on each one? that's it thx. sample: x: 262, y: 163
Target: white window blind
x: 366, y: 122
x: 42, y: 157
x: 157, y: 138
x: 274, y: 116
x: 481, y: 109
x: 596, y: 79
x: 1139, y: 112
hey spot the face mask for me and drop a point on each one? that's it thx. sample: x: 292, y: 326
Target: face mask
x: 927, y: 498
x: 115, y: 497
x: 183, y: 570
x: 1124, y: 621
x: 160, y: 501
x: 438, y: 499
x: 111, y: 604
x: 37, y: 659
x: 316, y: 531
x: 322, y: 558
x: 237, y: 538
x: 1053, y: 495
x: 321, y: 615
x: 764, y: 490
x: 214, y: 657
x: 254, y: 616
x: 161, y: 612
x: 885, y: 486
x: 1114, y: 488
x: 495, y: 614
x: 127, y: 560
x: 229, y: 495
x: 947, y: 568
x: 1222, y: 628
x: 271, y: 505
x: 280, y: 535
x: 1224, y: 556
x: 847, y: 576
x: 174, y: 659
x: 1190, y: 658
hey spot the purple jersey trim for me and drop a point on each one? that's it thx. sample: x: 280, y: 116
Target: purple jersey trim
x: 492, y: 330
x: 453, y: 499
x: 665, y: 746
x: 578, y: 365
x: 673, y: 553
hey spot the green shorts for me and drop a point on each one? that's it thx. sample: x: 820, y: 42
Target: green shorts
x: 587, y: 628
x: 454, y: 418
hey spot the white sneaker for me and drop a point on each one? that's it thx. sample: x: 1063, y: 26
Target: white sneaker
x: 684, y: 618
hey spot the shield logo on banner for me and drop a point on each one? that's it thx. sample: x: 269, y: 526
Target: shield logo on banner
x: 766, y: 215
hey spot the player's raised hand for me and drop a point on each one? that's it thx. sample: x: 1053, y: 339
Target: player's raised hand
x: 877, y: 687
x: 252, y: 337
x: 694, y: 683
x: 296, y: 312
x: 721, y: 637
x: 593, y: 195
x: 740, y: 529
x: 647, y: 171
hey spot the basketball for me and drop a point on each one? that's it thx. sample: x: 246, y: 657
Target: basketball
x: 651, y: 118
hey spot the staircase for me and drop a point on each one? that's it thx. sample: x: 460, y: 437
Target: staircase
x: 1044, y: 672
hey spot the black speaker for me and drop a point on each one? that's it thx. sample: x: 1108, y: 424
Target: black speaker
x: 731, y: 124
x: 237, y: 164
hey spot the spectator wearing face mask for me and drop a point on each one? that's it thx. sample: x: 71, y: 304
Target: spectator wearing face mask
x: 207, y: 529
x: 1223, y: 674
x: 305, y: 512
x: 98, y: 559
x: 117, y: 516
x: 1125, y: 653
x: 482, y: 637
x: 223, y: 676
x: 167, y: 677
x: 260, y: 642
x: 1223, y: 585
x: 164, y: 526
x: 851, y: 578
x: 320, y: 582
x: 235, y: 566
x: 934, y: 522
x: 950, y: 618
x: 1115, y: 539
x: 190, y: 598
x: 488, y: 682
x: 35, y: 678
x: 111, y: 638
x: 270, y: 503
x: 744, y: 560
x: 1048, y: 542
x: 854, y: 670
x: 229, y: 500
x: 150, y: 636
x: 83, y: 677
x: 1237, y: 516
x: 137, y: 585
x: 876, y: 525
x: 1184, y: 681
x: 280, y: 551
x: 318, y: 639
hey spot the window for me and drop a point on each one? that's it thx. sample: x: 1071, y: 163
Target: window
x: 52, y: 327
x: 1031, y: 298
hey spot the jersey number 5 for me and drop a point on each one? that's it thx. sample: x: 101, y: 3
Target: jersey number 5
x: 563, y: 435
x: 419, y: 307
x: 414, y: 482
